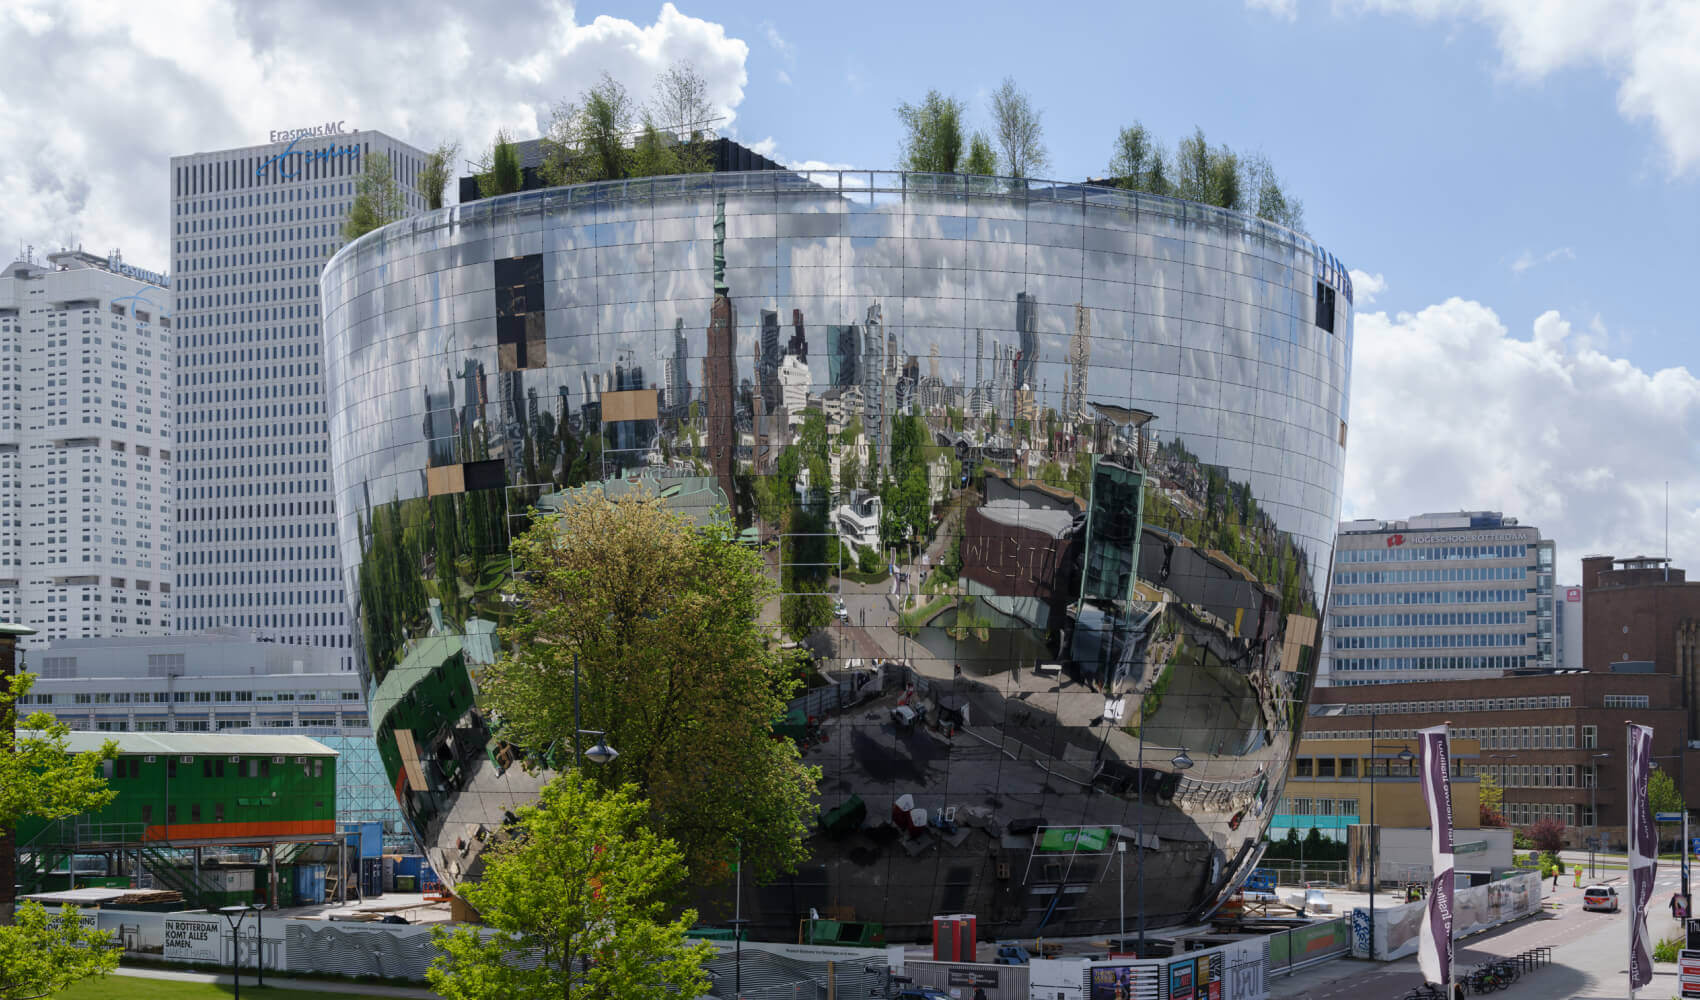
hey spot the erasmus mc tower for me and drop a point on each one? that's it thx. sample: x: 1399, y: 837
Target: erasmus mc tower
x: 1130, y: 416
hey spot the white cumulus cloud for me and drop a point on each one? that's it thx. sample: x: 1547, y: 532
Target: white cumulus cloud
x: 1528, y: 259
x: 1366, y: 286
x: 96, y: 97
x: 1647, y: 46
x: 1451, y: 410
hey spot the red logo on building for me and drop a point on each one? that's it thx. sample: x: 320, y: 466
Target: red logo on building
x: 1572, y: 595
x: 1393, y: 540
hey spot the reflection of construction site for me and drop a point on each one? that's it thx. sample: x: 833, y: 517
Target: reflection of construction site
x: 1001, y: 797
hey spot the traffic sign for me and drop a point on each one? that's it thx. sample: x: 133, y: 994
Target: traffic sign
x: 1591, y: 843
x: 1689, y: 964
x: 1667, y: 817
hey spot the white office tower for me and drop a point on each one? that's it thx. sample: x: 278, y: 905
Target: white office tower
x: 85, y: 448
x: 251, y: 228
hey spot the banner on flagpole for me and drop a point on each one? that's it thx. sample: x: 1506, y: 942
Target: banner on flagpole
x: 1434, y: 944
x: 1643, y: 855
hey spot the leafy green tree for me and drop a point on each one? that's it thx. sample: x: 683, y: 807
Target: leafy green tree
x: 933, y: 137
x: 1137, y: 161
x: 584, y: 887
x: 587, y: 138
x: 1662, y: 793
x: 1491, y: 798
x: 1019, y: 129
x: 500, y: 171
x: 41, y: 955
x: 378, y: 199
x: 40, y: 777
x: 434, y: 176
x: 663, y: 620
x: 1215, y: 176
x: 981, y: 159
x: 681, y: 105
x: 868, y: 561
x: 1268, y: 195
x: 806, y: 611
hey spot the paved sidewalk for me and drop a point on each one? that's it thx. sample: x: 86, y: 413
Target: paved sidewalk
x: 281, y: 982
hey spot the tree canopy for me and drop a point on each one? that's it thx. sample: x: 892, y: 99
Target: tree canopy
x: 933, y: 137
x: 40, y: 777
x: 666, y: 623
x: 42, y: 954
x: 1019, y: 129
x: 434, y: 176
x: 500, y: 172
x: 583, y: 886
x: 378, y: 199
x: 1200, y: 172
x: 606, y: 134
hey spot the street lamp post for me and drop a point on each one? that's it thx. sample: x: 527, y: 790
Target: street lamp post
x: 1180, y: 762
x: 1594, y: 810
x: 1121, y: 893
x: 259, y: 942
x: 1374, y: 848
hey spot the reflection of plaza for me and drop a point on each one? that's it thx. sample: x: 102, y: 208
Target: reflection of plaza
x: 1095, y: 435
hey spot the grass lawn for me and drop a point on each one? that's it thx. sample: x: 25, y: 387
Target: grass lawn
x: 133, y: 988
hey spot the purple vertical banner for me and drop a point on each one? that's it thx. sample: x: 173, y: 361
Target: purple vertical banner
x: 1643, y: 855
x: 1434, y: 946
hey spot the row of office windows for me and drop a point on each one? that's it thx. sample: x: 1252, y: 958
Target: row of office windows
x: 1530, y: 702
x: 203, y: 726
x: 1461, y: 574
x: 1487, y: 596
x: 1526, y: 813
x: 181, y: 697
x: 1429, y: 553
x: 1443, y: 641
x: 1350, y: 663
x: 1429, y: 619
x: 1535, y: 775
x: 1300, y: 806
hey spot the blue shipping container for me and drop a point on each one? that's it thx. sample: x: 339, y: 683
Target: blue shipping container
x: 408, y: 864
x: 310, y: 883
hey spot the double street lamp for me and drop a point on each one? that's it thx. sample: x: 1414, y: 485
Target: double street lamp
x: 1594, y: 810
x: 1374, y: 847
x: 234, y: 915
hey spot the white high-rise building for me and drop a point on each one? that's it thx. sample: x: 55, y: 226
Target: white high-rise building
x: 251, y: 229
x: 85, y: 448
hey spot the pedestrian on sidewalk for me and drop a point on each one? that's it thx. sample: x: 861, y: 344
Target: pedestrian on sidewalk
x: 1555, y: 878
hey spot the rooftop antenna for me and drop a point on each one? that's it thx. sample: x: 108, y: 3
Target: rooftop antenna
x: 1667, y: 531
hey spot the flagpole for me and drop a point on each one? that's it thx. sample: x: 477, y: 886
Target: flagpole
x: 1451, y: 940
x: 1629, y: 837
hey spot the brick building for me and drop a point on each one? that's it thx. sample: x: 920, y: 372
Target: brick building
x: 1641, y: 608
x: 1541, y: 736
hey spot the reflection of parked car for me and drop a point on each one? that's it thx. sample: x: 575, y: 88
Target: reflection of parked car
x: 1600, y: 897
x: 923, y: 993
x: 841, y: 612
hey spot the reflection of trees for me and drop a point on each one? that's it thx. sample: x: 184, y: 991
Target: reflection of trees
x: 1201, y: 503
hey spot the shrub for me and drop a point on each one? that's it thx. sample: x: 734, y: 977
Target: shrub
x: 868, y: 561
x: 1665, y: 951
x: 1547, y: 834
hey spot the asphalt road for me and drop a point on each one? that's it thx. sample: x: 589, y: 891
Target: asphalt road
x: 1589, y: 955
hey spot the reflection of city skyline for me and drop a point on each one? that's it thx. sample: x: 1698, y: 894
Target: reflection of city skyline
x: 1085, y: 566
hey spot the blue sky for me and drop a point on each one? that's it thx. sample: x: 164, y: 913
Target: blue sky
x: 1416, y: 154
x: 1515, y: 183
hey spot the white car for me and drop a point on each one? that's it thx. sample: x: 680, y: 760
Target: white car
x: 1600, y: 897
x: 841, y: 612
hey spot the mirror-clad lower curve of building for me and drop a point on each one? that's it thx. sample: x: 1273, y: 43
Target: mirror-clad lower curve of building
x: 1132, y: 416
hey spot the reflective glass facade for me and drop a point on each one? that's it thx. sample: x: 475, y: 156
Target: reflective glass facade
x: 1115, y: 425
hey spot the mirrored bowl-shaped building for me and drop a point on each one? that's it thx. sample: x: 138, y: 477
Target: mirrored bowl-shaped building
x: 1093, y: 640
